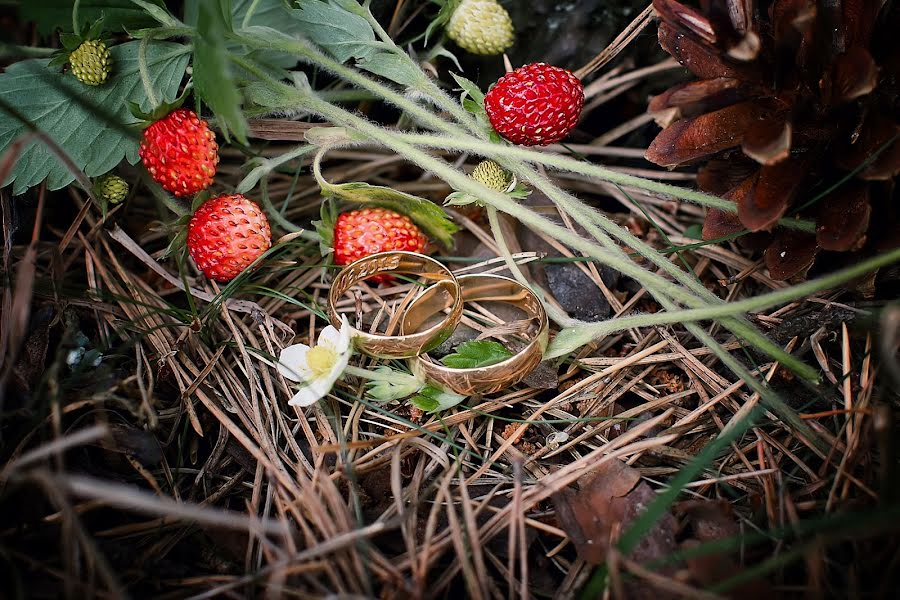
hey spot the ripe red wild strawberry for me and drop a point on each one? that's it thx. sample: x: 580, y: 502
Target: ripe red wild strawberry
x: 535, y: 105
x: 226, y: 234
x: 359, y: 233
x: 180, y: 152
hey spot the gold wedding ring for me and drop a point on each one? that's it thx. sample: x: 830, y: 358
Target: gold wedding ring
x: 408, y: 263
x: 491, y: 378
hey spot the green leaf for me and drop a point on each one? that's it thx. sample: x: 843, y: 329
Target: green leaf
x: 434, y: 399
x: 476, y: 353
x: 427, y: 215
x: 695, y: 232
x: 393, y: 67
x: 49, y: 15
x: 213, y: 81
x: 273, y: 14
x: 568, y: 340
x: 82, y: 119
x: 342, y: 34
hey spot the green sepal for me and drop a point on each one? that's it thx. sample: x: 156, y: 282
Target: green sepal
x: 442, y: 17
x: 199, y: 199
x: 424, y: 213
x: 178, y: 245
x: 59, y: 59
x: 460, y: 199
x: 159, y: 111
x: 400, y: 385
x: 325, y: 226
x: 70, y: 41
x: 95, y: 30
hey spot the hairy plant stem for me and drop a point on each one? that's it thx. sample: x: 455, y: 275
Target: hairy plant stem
x: 145, y: 74
x: 754, y: 304
x: 564, y: 163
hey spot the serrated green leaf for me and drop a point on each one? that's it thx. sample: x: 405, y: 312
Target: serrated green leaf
x: 433, y: 399
x: 61, y: 106
x: 392, y: 67
x: 213, y: 81
x: 424, y: 213
x: 476, y: 353
x: 273, y: 14
x: 159, y: 13
x: 49, y: 15
x: 339, y: 32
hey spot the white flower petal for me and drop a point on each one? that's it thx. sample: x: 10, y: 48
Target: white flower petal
x: 346, y: 335
x: 292, y: 363
x: 305, y: 396
x: 330, y: 338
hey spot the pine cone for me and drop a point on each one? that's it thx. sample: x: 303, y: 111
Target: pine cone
x: 793, y: 97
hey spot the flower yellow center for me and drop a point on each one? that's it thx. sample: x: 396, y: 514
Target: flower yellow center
x: 321, y: 359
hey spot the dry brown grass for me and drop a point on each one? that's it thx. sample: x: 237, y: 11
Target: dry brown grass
x: 245, y: 496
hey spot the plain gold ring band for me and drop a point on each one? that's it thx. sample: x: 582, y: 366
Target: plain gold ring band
x: 408, y: 263
x: 491, y: 378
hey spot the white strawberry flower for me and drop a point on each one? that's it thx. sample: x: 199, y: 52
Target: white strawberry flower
x: 317, y: 368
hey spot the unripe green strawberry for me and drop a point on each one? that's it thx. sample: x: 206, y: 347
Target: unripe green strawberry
x: 481, y: 27
x: 492, y: 175
x: 226, y: 234
x: 111, y: 188
x: 91, y: 62
x: 180, y: 152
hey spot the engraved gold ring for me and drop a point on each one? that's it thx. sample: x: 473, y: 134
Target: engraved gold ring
x: 408, y: 263
x: 491, y: 378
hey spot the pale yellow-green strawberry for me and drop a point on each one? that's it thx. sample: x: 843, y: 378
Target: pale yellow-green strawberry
x: 111, y: 188
x: 481, y: 27
x: 491, y: 175
x: 91, y: 62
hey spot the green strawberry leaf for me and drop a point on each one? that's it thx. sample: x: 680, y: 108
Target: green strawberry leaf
x: 342, y: 34
x: 424, y: 213
x: 392, y: 67
x: 50, y: 15
x: 213, y: 80
x: 433, y: 399
x: 89, y: 123
x: 476, y: 353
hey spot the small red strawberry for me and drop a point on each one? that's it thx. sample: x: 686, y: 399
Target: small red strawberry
x: 180, y: 152
x: 226, y: 234
x: 359, y: 233
x: 535, y: 105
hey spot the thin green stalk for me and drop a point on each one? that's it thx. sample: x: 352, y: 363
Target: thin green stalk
x: 590, y: 331
x: 564, y: 163
x: 591, y: 219
x: 554, y: 313
x: 318, y: 59
x: 273, y: 212
x: 145, y: 74
x: 75, y: 26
